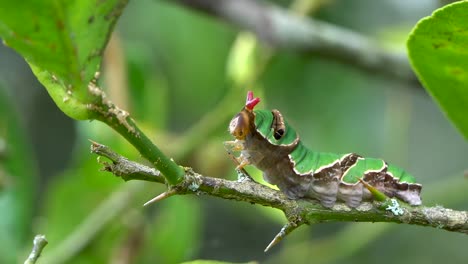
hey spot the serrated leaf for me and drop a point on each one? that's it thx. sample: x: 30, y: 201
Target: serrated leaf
x: 63, y: 42
x: 438, y: 52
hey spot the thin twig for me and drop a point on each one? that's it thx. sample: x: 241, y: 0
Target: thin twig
x: 124, y: 168
x: 39, y: 243
x: 284, y: 30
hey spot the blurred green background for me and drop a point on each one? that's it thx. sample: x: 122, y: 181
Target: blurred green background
x: 167, y: 66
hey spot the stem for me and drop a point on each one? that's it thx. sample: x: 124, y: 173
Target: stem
x: 121, y: 122
x: 39, y: 243
x: 172, y: 172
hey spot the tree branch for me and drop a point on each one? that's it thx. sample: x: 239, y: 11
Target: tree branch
x: 284, y: 30
x: 298, y: 212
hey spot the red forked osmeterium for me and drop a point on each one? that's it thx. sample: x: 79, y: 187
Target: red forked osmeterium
x: 251, y: 102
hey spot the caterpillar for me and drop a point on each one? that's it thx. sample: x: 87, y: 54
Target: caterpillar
x: 266, y: 141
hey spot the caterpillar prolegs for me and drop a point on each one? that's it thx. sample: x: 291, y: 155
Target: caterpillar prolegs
x: 266, y: 141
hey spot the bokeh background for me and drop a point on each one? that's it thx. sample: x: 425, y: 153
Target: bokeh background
x: 167, y: 66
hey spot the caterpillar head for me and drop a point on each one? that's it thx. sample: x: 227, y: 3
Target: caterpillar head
x: 244, y: 122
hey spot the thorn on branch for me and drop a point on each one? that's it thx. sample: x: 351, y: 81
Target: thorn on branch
x: 162, y: 196
x: 378, y: 195
x: 288, y: 228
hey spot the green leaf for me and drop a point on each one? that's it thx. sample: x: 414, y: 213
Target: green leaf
x: 438, y: 52
x: 63, y: 42
x: 17, y: 179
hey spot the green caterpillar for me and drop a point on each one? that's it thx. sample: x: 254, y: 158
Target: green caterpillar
x: 267, y: 141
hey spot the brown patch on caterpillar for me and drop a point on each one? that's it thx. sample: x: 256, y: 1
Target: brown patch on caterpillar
x: 348, y: 160
x: 279, y: 128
